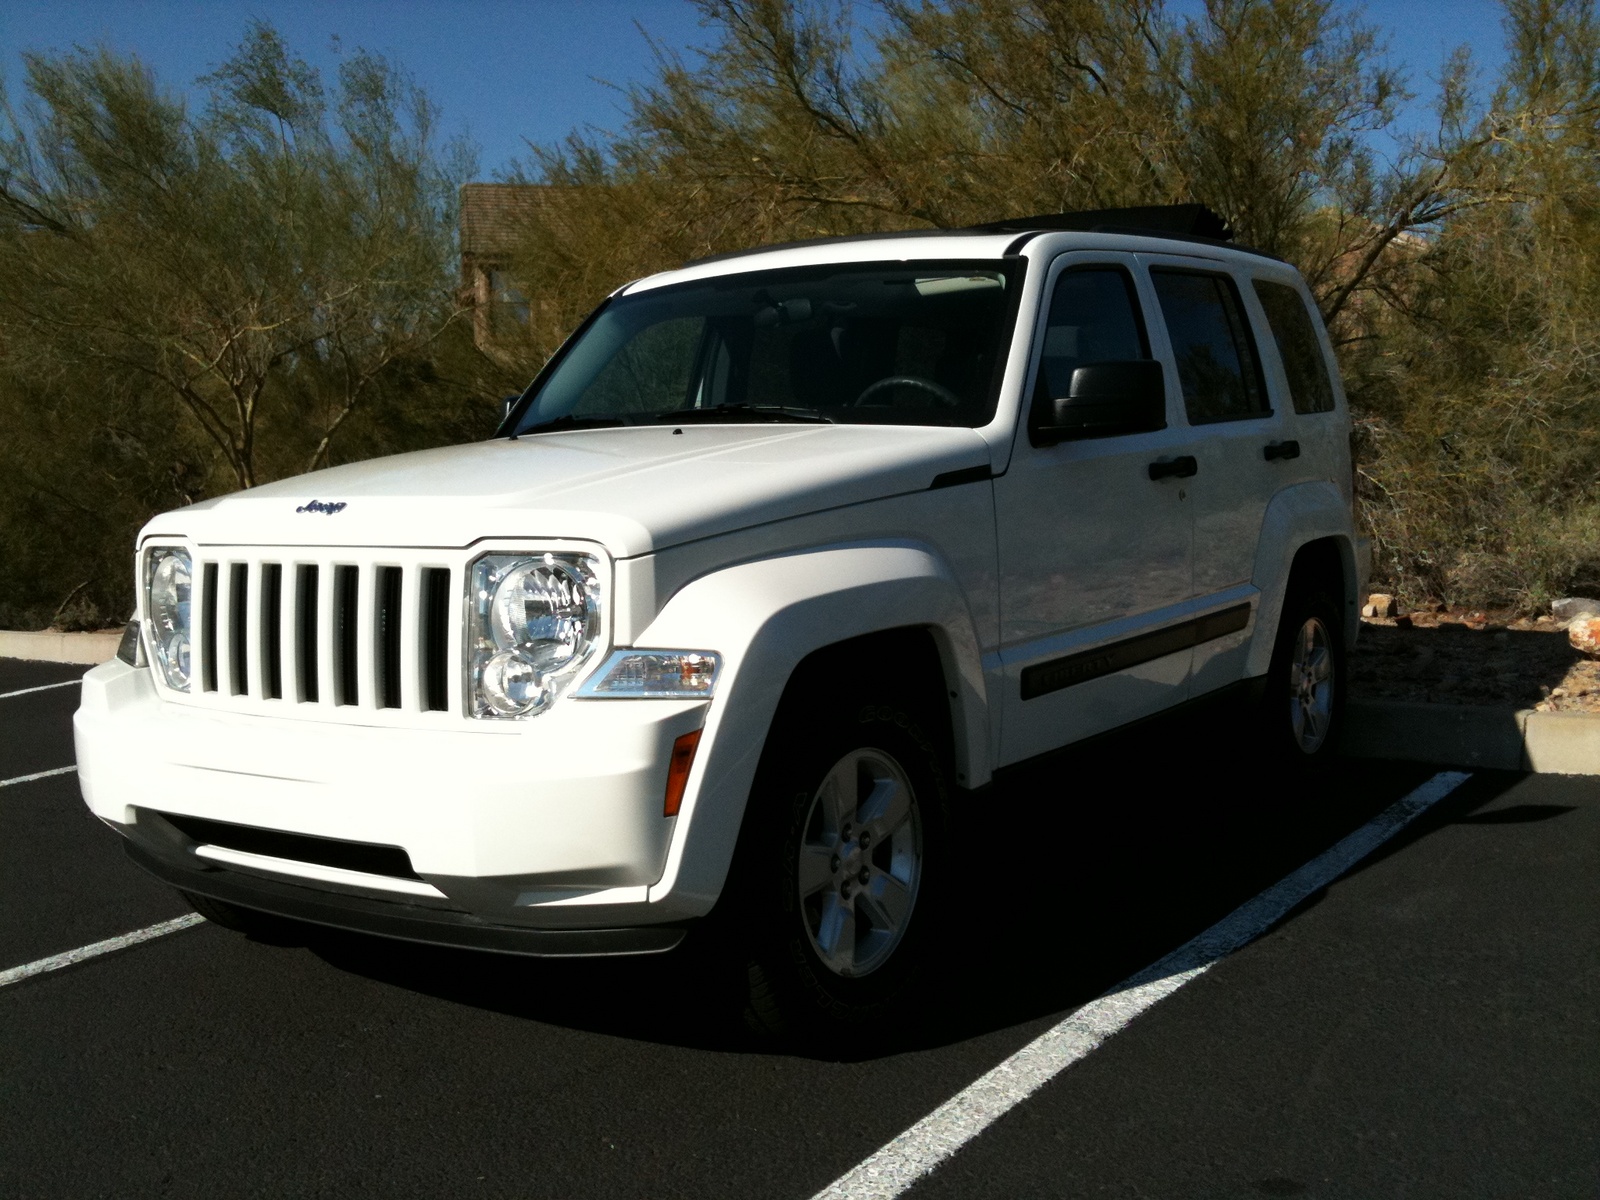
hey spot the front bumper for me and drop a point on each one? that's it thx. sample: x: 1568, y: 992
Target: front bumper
x: 550, y: 825
x: 387, y: 918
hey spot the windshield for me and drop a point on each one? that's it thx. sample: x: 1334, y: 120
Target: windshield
x: 864, y: 343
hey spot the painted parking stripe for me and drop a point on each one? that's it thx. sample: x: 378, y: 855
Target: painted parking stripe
x: 56, y: 961
x: 43, y: 687
x: 37, y: 775
x: 917, y: 1151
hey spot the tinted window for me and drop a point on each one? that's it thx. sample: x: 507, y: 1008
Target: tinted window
x: 1211, y: 342
x: 1298, y: 347
x: 651, y: 371
x: 869, y: 343
x: 1094, y: 318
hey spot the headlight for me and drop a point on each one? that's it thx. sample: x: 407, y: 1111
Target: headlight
x: 167, y: 575
x: 534, y: 621
x: 654, y: 675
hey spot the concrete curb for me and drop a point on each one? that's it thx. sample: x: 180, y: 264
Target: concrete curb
x: 50, y: 646
x: 1464, y: 735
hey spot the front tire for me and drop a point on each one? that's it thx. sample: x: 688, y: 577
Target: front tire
x: 841, y: 868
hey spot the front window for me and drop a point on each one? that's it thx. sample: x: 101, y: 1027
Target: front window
x: 873, y: 343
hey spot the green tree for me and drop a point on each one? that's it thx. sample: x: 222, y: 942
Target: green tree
x: 1484, y: 397
x: 263, y: 261
x: 193, y: 301
x: 794, y: 123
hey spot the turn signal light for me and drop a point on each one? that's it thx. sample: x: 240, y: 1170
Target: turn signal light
x: 678, y: 771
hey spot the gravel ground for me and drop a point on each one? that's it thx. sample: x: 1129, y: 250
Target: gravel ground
x: 1468, y: 657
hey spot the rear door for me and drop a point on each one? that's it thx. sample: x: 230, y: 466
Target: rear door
x: 1226, y: 401
x: 1297, y: 359
x: 1095, y: 566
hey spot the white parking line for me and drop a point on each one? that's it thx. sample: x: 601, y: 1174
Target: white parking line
x: 37, y: 775
x: 917, y: 1151
x: 43, y: 687
x: 56, y: 961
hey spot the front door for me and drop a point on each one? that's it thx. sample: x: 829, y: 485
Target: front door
x: 1095, y: 555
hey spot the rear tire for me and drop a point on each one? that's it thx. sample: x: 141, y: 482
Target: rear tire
x: 838, y: 881
x: 1302, y: 710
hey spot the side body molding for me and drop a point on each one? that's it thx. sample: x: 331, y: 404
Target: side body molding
x: 764, y: 617
x: 1297, y: 515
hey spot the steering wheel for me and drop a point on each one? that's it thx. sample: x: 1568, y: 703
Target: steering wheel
x: 942, y: 393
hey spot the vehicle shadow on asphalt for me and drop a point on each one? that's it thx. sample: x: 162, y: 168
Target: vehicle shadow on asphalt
x: 1071, y: 876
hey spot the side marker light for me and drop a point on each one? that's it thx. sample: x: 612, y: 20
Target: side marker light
x: 678, y: 771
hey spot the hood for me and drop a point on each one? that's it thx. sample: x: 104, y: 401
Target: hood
x: 634, y: 489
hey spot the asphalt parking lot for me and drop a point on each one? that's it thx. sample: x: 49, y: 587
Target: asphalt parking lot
x: 1425, y: 1026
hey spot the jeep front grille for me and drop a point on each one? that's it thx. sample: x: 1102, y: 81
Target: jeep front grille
x: 374, y: 641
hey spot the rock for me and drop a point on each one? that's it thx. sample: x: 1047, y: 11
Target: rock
x: 1383, y: 605
x: 1557, y: 693
x: 1584, y: 634
x: 1369, y: 610
x: 1403, y: 622
x: 1569, y: 608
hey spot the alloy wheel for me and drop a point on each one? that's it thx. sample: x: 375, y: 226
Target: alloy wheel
x: 1311, y: 685
x: 860, y: 862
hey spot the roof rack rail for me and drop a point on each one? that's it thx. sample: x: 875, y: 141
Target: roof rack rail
x: 1172, y: 222
x: 1188, y: 220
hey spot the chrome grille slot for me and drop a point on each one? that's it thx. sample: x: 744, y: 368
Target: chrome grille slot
x: 208, y: 626
x: 343, y: 634
x: 387, y: 621
x: 305, y: 631
x: 238, y: 638
x: 435, y: 630
x: 272, y: 630
x: 346, y: 618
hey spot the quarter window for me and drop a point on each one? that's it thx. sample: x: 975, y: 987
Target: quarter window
x: 1094, y: 318
x: 1309, y: 386
x: 1211, y: 342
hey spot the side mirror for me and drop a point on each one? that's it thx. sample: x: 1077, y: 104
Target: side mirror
x: 1104, y: 399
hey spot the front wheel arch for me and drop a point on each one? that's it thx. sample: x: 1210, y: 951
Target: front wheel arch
x: 762, y: 917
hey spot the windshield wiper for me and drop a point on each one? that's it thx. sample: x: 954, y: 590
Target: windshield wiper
x: 746, y: 412
x: 559, y: 424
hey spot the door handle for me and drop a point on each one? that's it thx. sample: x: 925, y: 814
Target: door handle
x: 1281, y: 450
x: 1179, y: 468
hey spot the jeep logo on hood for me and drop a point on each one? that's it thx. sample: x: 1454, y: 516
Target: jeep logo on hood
x: 322, y: 506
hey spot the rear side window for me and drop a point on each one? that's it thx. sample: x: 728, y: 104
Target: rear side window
x: 1292, y: 329
x: 1094, y: 318
x: 1211, y: 342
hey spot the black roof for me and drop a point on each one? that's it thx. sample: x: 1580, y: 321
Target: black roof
x: 1175, y: 222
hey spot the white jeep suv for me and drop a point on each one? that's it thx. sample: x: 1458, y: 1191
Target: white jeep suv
x: 782, y: 552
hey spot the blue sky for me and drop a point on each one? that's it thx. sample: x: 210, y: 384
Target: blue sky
x: 507, y: 70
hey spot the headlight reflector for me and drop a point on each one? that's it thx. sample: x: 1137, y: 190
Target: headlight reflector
x: 167, y: 590
x: 655, y: 675
x: 535, y: 620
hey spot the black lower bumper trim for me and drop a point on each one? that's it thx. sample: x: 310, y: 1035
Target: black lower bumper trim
x: 408, y: 922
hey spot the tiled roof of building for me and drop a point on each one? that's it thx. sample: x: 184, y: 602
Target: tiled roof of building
x: 494, y: 215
